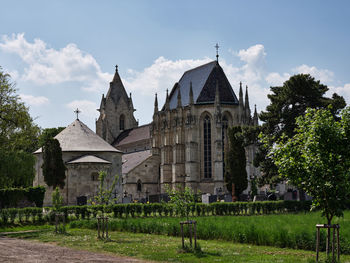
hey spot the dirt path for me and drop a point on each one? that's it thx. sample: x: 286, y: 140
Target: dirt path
x: 18, y: 250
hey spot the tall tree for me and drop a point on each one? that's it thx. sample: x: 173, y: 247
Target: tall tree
x: 317, y: 160
x: 287, y: 102
x: 53, y: 166
x: 18, y: 137
x: 235, y: 162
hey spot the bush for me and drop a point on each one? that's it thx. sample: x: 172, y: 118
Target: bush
x: 11, y: 197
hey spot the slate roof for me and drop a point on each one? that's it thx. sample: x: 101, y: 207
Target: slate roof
x: 117, y: 90
x: 203, y: 80
x: 89, y: 159
x: 133, y: 135
x: 78, y: 137
x: 131, y: 160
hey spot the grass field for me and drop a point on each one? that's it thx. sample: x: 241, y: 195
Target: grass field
x: 287, y: 230
x: 164, y: 248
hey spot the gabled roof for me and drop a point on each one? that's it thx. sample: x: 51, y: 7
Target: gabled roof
x: 203, y: 80
x: 131, y: 160
x: 133, y: 135
x: 89, y: 159
x: 77, y: 137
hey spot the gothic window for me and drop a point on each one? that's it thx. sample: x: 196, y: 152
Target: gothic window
x: 139, y: 186
x: 207, y: 146
x: 122, y: 122
x: 94, y: 176
x: 223, y: 135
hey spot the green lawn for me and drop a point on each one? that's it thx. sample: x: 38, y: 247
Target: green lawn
x: 287, y: 230
x: 164, y: 248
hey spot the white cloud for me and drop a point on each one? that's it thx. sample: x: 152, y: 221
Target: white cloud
x: 87, y: 108
x: 275, y: 79
x: 340, y: 90
x: 162, y: 74
x: 34, y: 101
x: 324, y: 75
x: 46, y: 65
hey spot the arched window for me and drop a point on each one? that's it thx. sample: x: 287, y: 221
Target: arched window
x: 224, y: 139
x: 207, y: 146
x: 122, y: 122
x: 139, y: 186
x: 94, y: 176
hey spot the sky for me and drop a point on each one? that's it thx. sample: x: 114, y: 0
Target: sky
x: 62, y: 54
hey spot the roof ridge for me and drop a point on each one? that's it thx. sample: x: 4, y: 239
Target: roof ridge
x: 214, y: 61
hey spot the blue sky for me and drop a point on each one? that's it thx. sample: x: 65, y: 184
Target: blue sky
x: 62, y: 54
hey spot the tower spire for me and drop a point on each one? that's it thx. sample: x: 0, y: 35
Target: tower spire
x: 179, y: 104
x: 191, y: 102
x: 167, y: 106
x: 246, y: 107
x: 255, y: 118
x: 241, y: 105
x: 246, y: 103
x: 155, y: 104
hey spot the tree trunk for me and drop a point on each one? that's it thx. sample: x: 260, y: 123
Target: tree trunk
x: 234, y: 198
x: 329, y: 220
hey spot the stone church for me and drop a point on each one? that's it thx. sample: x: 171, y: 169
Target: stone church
x: 184, y: 144
x: 84, y: 154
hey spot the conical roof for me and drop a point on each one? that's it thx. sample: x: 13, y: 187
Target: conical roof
x: 78, y: 137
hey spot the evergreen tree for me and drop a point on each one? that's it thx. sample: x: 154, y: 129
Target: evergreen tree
x: 53, y: 166
x: 235, y: 162
x: 287, y: 102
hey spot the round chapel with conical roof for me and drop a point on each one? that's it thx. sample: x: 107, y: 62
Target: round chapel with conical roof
x: 84, y: 154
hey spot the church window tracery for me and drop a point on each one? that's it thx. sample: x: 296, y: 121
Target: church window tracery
x: 207, y: 147
x: 139, y: 186
x: 223, y: 136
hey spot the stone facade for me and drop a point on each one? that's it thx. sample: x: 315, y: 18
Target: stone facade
x: 116, y: 111
x: 186, y: 137
x: 190, y: 136
x: 84, y: 154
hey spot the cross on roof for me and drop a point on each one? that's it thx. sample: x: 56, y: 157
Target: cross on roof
x: 217, y: 52
x: 77, y: 111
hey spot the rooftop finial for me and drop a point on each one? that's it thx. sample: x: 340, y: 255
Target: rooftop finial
x: 77, y: 111
x: 116, y: 68
x: 217, y: 52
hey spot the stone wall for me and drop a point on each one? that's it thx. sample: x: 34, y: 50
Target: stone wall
x: 148, y: 174
x: 78, y: 176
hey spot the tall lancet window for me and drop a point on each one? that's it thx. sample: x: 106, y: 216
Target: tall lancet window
x: 122, y: 122
x: 207, y: 147
x: 224, y: 140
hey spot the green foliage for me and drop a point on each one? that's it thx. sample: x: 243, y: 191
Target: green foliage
x: 57, y: 200
x: 10, y: 197
x: 18, y: 137
x: 53, y: 167
x: 235, y: 162
x: 182, y: 200
x: 317, y: 159
x: 287, y: 102
x: 104, y: 194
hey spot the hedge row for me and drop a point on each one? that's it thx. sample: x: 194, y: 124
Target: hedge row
x: 24, y: 215
x: 197, y: 209
x: 155, y: 210
x: 11, y: 197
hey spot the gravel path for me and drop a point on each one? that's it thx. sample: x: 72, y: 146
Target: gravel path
x: 18, y: 250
